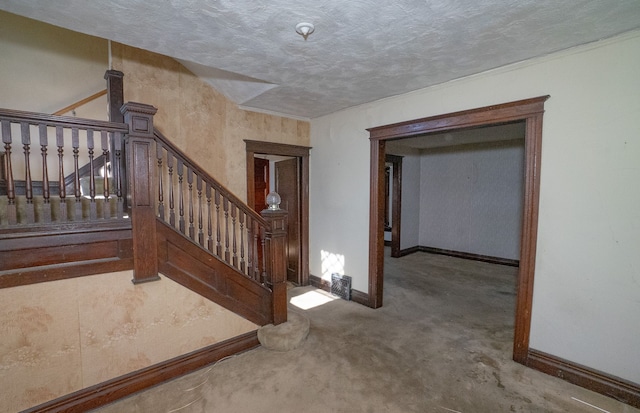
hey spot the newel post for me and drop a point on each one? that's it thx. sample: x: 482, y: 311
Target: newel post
x: 140, y: 172
x: 115, y: 94
x: 276, y: 253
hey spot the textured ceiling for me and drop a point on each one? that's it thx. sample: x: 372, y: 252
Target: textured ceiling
x: 362, y: 50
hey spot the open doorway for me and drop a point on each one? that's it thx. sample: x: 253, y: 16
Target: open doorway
x: 284, y: 169
x: 530, y: 111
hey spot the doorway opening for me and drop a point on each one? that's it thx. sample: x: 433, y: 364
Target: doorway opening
x: 531, y: 112
x: 284, y: 169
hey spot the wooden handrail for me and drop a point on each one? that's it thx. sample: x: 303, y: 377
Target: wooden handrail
x: 226, y: 193
x: 81, y: 102
x: 35, y: 118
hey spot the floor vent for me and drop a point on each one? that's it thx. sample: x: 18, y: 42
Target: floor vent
x: 341, y: 286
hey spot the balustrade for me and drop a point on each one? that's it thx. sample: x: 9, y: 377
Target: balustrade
x: 94, y: 178
x: 27, y: 189
x: 234, y: 232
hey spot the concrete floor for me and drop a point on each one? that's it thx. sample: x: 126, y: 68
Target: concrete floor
x: 441, y: 343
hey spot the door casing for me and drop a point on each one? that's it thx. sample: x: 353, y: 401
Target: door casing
x: 531, y: 112
x: 301, y: 152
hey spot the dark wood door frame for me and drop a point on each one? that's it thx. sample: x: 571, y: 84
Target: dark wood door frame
x: 396, y: 203
x: 531, y: 112
x: 302, y: 153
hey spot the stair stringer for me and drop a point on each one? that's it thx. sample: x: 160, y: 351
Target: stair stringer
x: 196, y: 269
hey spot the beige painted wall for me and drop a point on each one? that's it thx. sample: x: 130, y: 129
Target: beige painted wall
x: 586, y: 304
x: 59, y: 337
x: 198, y: 119
x: 45, y: 68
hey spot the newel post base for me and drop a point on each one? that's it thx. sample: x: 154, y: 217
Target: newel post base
x: 141, y: 179
x: 276, y: 253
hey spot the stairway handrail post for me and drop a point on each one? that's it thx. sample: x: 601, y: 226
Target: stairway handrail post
x: 141, y: 179
x: 276, y: 254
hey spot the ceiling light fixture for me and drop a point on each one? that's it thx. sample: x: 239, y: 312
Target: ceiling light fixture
x: 304, y: 29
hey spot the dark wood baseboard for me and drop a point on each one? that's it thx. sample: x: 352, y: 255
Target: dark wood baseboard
x: 614, y: 387
x: 458, y: 254
x: 408, y: 251
x: 319, y: 283
x: 120, y: 387
x: 356, y: 296
x: 360, y: 298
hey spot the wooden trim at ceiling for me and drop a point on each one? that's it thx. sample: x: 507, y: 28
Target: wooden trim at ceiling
x: 128, y: 384
x: 302, y: 152
x: 614, y: 387
x: 530, y: 111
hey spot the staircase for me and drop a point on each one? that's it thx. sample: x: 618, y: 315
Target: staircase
x: 81, y: 197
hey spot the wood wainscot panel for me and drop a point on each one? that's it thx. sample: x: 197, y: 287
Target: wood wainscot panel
x: 38, y: 254
x: 196, y: 269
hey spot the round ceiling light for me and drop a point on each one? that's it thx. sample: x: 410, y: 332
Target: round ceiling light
x: 304, y: 29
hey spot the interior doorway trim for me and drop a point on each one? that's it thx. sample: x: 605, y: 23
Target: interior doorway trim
x: 530, y: 111
x: 396, y: 203
x: 301, y: 152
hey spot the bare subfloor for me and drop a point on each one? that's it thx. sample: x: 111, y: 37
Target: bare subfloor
x: 441, y: 343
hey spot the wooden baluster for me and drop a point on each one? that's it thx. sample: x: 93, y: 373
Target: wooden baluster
x: 172, y: 211
x: 218, y: 245
x: 180, y: 195
x: 12, y: 216
x: 209, y: 223
x: 61, y: 186
x: 225, y: 204
x: 44, y: 143
x: 75, y: 144
x: 104, y: 144
x: 190, y: 183
x: 93, y: 214
x: 26, y: 146
x: 250, y: 243
x: 117, y: 173
x: 200, y: 232
x: 233, y: 234
x: 159, y: 156
x: 242, y: 230
x: 264, y: 280
x: 256, y: 256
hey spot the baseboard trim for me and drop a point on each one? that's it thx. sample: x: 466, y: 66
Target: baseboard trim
x: 408, y: 251
x: 120, y: 387
x: 622, y: 390
x: 360, y: 298
x: 459, y: 254
x: 318, y: 282
x: 356, y: 296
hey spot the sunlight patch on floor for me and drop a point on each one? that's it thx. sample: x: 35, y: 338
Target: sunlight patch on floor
x: 311, y: 299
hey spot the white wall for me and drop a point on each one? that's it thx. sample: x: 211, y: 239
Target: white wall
x: 471, y: 198
x: 586, y: 304
x: 410, y: 209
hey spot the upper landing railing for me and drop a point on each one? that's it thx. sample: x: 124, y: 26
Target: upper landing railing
x: 56, y: 169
